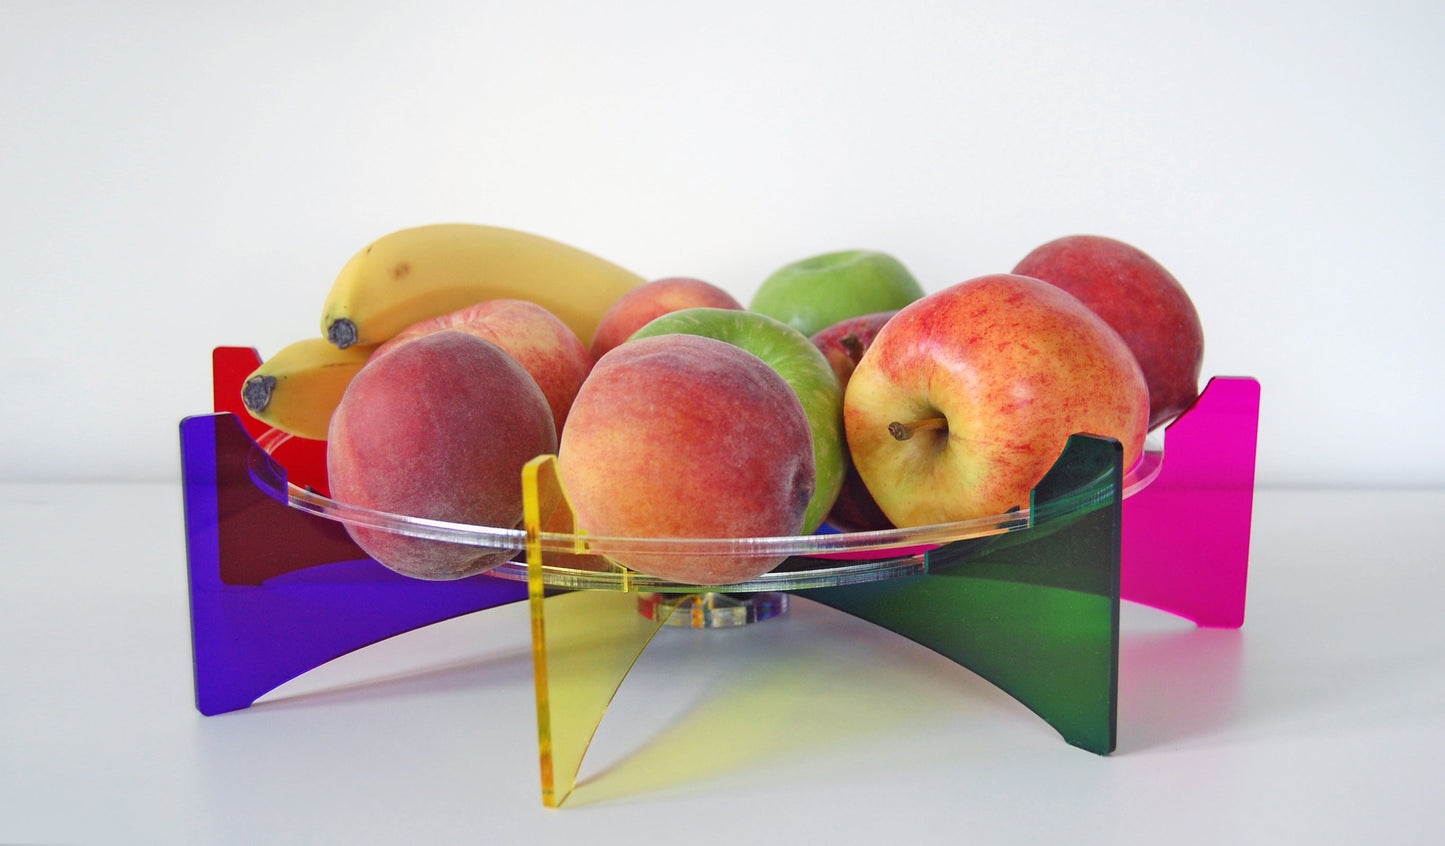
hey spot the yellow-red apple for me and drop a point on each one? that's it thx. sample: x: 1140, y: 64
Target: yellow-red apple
x: 966, y: 397
x: 682, y: 436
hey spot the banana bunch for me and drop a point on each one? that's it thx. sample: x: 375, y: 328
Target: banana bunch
x: 298, y: 388
x: 427, y: 271
x: 413, y: 275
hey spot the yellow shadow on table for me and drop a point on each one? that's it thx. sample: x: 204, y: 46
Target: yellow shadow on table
x: 583, y: 642
x: 784, y: 699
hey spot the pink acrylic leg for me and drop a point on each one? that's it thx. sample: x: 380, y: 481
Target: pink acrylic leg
x: 1186, y: 536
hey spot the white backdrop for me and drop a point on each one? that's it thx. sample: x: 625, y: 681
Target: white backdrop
x: 178, y: 176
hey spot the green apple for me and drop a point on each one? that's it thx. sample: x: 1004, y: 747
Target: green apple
x: 802, y: 365
x: 815, y: 293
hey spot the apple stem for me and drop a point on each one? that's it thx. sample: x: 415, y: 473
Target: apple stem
x: 904, y: 431
x: 852, y: 346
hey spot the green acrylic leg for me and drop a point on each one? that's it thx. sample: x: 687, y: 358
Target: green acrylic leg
x: 1035, y: 611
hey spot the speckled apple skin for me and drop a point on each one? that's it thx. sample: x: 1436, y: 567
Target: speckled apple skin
x: 651, y: 300
x: 438, y: 428
x: 1142, y: 301
x: 546, y: 347
x: 1016, y: 366
x: 682, y: 436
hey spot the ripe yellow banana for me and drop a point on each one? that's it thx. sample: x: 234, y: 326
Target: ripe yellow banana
x: 298, y: 388
x: 423, y: 272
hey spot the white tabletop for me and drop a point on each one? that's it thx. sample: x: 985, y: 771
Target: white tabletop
x: 1321, y: 721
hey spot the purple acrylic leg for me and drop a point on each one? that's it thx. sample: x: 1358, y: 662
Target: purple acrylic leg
x: 1186, y: 535
x: 276, y: 592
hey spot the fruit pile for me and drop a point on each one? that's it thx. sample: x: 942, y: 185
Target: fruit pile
x: 451, y: 355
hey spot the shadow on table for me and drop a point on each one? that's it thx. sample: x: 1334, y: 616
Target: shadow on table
x: 310, y: 691
x: 798, y: 705
x: 1176, y: 685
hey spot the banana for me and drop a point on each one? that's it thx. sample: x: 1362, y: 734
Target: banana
x: 298, y: 388
x: 419, y: 273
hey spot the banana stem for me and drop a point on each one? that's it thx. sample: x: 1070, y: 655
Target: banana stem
x: 257, y: 391
x: 342, y: 333
x: 904, y: 431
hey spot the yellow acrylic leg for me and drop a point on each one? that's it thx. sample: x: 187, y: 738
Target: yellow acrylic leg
x: 583, y: 645
x: 584, y: 642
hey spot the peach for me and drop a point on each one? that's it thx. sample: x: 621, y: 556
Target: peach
x: 545, y: 346
x: 683, y: 436
x: 642, y: 304
x: 439, y: 428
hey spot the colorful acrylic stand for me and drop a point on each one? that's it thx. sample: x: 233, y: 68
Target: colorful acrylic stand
x: 1031, y: 605
x: 276, y: 592
x: 1034, y: 609
x: 1186, y: 535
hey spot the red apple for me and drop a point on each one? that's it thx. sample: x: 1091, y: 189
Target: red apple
x: 438, y: 428
x: 966, y: 398
x: 683, y: 436
x: 643, y: 304
x: 545, y: 346
x: 855, y: 509
x: 1142, y: 301
x: 844, y: 344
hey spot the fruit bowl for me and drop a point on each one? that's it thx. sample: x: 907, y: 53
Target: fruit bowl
x: 583, y: 561
x: 1028, y: 599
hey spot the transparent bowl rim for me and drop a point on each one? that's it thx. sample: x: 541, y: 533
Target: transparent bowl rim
x: 843, y: 557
